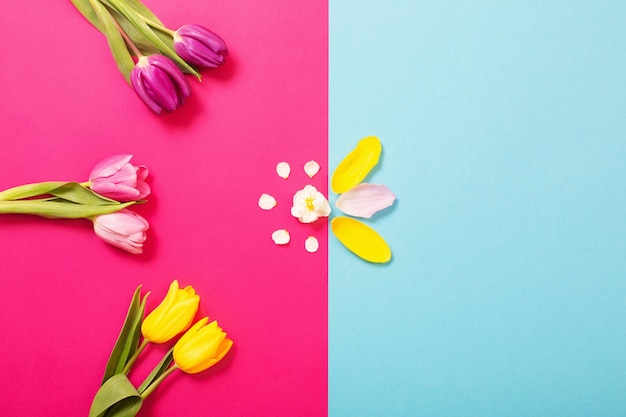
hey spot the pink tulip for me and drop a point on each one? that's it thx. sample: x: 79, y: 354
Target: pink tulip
x: 118, y: 179
x: 124, y: 229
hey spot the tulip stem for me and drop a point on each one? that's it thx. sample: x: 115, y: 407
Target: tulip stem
x: 133, y: 358
x: 156, y: 25
x: 131, y: 45
x: 157, y: 382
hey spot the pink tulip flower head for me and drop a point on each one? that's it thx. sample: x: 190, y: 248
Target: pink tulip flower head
x: 124, y: 229
x: 116, y: 178
x: 159, y: 83
x: 199, y: 46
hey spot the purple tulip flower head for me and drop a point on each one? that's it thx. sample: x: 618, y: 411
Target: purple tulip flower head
x: 199, y: 46
x: 124, y: 229
x: 116, y: 178
x: 159, y: 83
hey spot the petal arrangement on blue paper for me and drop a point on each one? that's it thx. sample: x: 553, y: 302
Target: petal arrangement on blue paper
x: 360, y: 199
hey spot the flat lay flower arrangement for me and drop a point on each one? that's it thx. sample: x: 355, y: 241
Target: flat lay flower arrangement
x: 151, y: 57
x: 201, y: 346
x: 356, y: 199
x: 114, y: 185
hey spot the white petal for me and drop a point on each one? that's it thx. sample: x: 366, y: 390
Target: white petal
x: 365, y: 199
x: 267, y: 202
x: 311, y: 244
x: 311, y: 168
x: 283, y: 169
x: 281, y: 237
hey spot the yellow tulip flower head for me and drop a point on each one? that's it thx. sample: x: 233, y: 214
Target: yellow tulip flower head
x: 173, y: 316
x: 201, y: 347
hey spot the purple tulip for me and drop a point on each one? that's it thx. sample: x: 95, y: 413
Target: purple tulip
x: 199, y: 46
x: 159, y: 83
x: 118, y: 179
x: 124, y: 229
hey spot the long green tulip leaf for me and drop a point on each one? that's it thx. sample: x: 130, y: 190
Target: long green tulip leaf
x: 116, y: 397
x: 143, y: 10
x: 86, y: 9
x: 118, y: 47
x: 126, y: 345
x: 30, y: 190
x: 145, y: 45
x: 74, y: 192
x: 58, y: 209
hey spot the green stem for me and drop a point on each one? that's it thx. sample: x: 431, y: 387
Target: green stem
x: 131, y: 45
x: 157, y: 382
x: 156, y: 25
x: 133, y: 358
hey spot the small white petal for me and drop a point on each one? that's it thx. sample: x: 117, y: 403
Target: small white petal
x: 283, y: 169
x: 281, y: 237
x: 267, y: 202
x: 311, y: 168
x: 311, y: 244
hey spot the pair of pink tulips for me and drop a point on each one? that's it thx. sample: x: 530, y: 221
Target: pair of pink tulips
x: 114, y: 184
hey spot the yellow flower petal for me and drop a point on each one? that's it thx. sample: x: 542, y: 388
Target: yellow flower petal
x: 356, y: 165
x: 361, y: 239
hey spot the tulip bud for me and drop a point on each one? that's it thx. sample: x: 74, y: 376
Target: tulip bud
x: 124, y: 229
x: 199, y: 46
x: 118, y: 179
x: 159, y: 83
x: 173, y: 316
x: 201, y: 347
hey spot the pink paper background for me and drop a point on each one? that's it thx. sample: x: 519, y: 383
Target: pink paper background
x: 64, y: 293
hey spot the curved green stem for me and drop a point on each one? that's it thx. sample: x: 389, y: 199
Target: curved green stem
x: 157, y: 382
x: 156, y: 25
x: 133, y: 358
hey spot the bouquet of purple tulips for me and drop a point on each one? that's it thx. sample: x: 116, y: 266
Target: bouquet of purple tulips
x: 153, y: 58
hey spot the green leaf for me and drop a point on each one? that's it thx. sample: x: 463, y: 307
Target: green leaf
x: 76, y: 193
x: 30, y: 190
x: 128, y: 339
x: 117, y: 397
x: 85, y: 8
x: 59, y: 209
x: 157, y: 371
x: 118, y: 47
x: 145, y: 46
x: 143, y: 10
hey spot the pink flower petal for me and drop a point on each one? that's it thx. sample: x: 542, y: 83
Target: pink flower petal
x: 365, y: 199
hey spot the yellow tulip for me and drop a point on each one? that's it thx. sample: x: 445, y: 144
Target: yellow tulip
x: 201, y: 347
x: 173, y: 316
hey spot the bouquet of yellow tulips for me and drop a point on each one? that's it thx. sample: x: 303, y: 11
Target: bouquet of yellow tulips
x: 201, y: 346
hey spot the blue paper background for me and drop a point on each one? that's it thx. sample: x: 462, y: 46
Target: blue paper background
x: 503, y: 134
